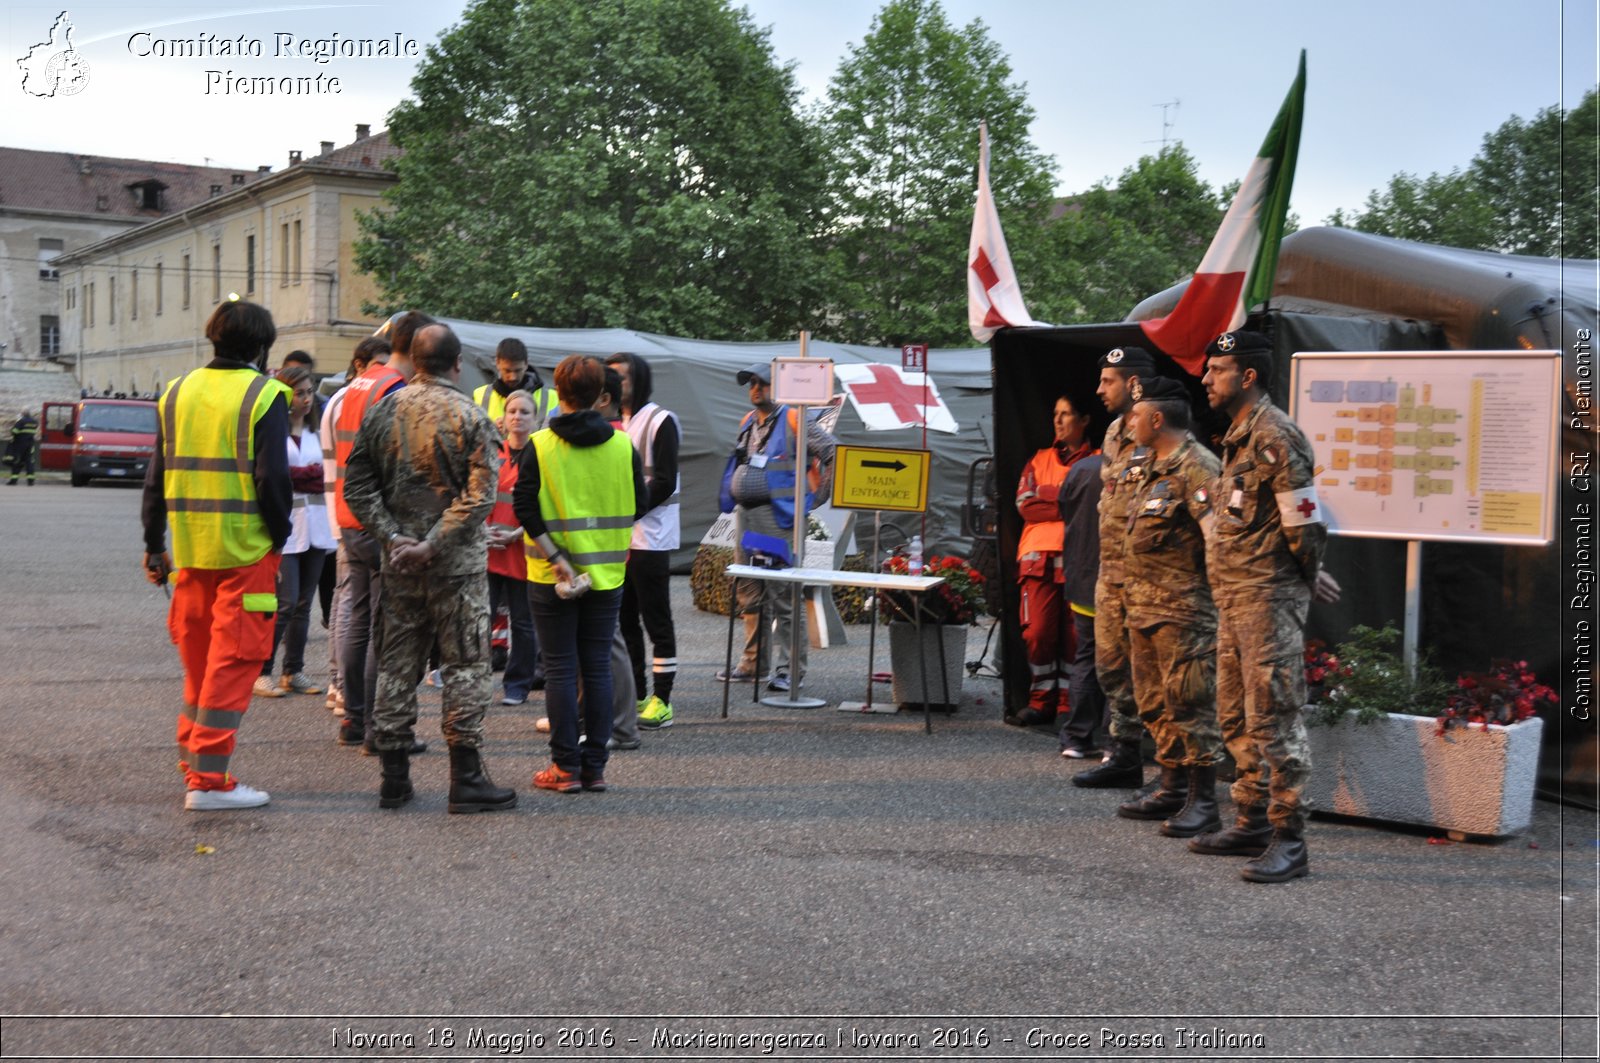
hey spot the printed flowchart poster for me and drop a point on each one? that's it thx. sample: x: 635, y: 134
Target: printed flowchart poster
x: 1438, y: 445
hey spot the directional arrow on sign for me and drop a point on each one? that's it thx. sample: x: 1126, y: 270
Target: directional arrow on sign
x: 881, y: 478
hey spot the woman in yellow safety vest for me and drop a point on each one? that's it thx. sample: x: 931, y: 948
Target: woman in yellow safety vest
x: 579, y: 490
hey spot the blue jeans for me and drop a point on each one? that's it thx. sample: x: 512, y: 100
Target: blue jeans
x: 575, y: 640
x: 522, y: 648
x: 298, y: 575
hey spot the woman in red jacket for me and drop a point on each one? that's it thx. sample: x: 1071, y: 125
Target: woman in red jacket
x: 508, y: 567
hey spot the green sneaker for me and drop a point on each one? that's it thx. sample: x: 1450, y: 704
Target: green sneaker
x: 654, y: 713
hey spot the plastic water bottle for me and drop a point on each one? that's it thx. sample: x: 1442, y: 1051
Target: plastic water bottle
x: 914, y: 556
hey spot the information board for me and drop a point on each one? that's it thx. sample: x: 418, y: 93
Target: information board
x: 1434, y: 446
x: 879, y: 478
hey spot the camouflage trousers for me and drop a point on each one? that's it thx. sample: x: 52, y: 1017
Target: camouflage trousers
x: 1175, y: 685
x: 417, y: 611
x: 1261, y: 689
x: 1112, y: 668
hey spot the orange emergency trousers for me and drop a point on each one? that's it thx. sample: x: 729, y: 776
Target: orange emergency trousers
x: 1047, y: 628
x: 222, y: 647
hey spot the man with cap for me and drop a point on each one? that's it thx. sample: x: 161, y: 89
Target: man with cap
x: 1264, y: 561
x: 1172, y: 623
x: 758, y: 489
x: 1122, y: 465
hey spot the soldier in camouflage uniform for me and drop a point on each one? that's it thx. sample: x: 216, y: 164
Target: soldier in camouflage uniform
x: 1172, y: 623
x: 421, y: 479
x: 1122, y: 464
x: 1265, y: 554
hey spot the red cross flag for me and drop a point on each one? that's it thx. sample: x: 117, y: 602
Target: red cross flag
x: 994, y: 300
x: 886, y: 396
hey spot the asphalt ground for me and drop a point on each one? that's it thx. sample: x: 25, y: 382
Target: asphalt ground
x: 779, y: 884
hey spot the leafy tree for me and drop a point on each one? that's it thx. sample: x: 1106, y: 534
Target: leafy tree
x: 1447, y: 209
x: 1114, y: 246
x: 588, y: 163
x: 1530, y: 190
x: 901, y: 123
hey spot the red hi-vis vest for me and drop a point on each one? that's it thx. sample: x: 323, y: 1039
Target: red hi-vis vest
x: 362, y: 394
x: 509, y: 561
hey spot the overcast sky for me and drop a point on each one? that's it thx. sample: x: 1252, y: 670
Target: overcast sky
x: 1392, y: 84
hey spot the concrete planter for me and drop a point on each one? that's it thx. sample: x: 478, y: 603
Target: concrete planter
x: 904, y: 664
x: 1470, y: 781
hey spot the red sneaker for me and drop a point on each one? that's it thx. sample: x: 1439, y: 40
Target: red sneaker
x: 557, y: 779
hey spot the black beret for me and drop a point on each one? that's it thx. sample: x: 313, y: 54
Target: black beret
x: 1159, y: 389
x: 1239, y: 343
x: 1135, y: 360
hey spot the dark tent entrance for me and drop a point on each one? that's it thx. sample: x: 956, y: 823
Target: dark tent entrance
x: 1345, y: 291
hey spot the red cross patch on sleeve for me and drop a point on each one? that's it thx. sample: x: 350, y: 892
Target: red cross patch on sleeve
x: 1299, y: 507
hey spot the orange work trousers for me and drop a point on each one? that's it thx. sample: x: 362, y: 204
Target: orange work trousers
x: 222, y: 646
x: 1046, y: 631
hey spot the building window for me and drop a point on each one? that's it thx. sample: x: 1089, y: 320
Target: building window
x: 49, y: 335
x: 48, y: 250
x: 111, y: 299
x: 158, y: 289
x: 297, y: 250
x: 283, y: 256
x: 133, y: 298
x: 216, y: 273
x: 250, y: 264
x: 88, y: 304
x: 186, y: 282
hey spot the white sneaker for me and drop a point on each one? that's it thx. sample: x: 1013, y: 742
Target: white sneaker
x: 542, y: 725
x: 241, y: 796
x: 266, y: 688
x: 335, y: 702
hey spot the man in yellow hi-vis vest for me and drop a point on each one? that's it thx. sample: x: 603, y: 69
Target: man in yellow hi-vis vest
x: 513, y: 373
x: 220, y: 478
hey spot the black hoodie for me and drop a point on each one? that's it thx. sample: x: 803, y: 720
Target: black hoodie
x: 585, y: 428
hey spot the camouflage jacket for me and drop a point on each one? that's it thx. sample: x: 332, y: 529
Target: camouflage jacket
x: 426, y: 464
x: 1268, y: 537
x: 1164, y: 559
x: 1121, y: 466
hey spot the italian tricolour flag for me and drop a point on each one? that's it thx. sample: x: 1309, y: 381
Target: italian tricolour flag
x: 1238, y: 268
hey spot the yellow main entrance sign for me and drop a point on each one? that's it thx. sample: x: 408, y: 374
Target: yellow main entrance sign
x: 875, y: 478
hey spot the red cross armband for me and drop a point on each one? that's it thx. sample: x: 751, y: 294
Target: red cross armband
x: 1299, y: 507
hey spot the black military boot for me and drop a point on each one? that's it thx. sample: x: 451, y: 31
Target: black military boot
x: 396, y: 788
x: 471, y: 789
x: 1124, y: 767
x: 1199, y: 812
x: 1169, y: 798
x: 1248, y: 836
x: 1285, y: 858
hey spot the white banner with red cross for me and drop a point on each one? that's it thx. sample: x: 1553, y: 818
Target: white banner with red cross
x: 886, y: 397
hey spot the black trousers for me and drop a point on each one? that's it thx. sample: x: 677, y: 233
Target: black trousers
x: 647, y: 597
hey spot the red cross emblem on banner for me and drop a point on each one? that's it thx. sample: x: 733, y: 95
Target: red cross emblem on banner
x: 906, y: 401
x: 1306, y: 507
x: 988, y: 278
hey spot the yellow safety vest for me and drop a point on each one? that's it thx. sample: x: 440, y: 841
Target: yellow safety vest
x: 208, y: 420
x: 494, y: 404
x: 586, y: 499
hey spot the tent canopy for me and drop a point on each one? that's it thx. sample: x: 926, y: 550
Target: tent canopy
x: 696, y: 380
